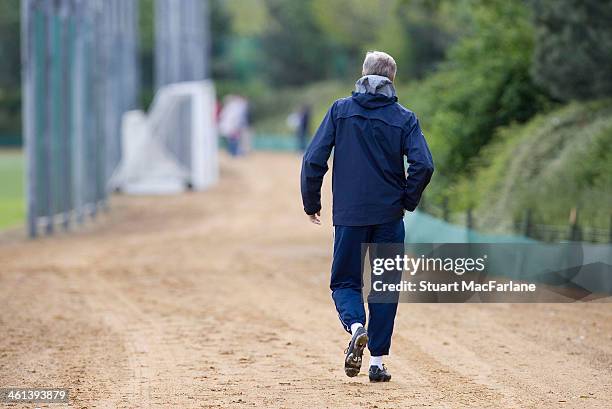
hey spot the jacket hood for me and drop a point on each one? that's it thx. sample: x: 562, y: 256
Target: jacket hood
x: 375, y: 84
x: 371, y: 101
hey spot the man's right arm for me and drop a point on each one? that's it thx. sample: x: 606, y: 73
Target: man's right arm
x: 314, y: 165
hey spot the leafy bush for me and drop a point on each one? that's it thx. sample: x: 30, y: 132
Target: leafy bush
x: 556, y: 162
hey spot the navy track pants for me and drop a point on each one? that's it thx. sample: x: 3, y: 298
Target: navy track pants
x: 346, y: 281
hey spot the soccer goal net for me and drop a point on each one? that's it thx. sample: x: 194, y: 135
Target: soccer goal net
x: 174, y: 146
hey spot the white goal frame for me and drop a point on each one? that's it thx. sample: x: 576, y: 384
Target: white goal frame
x: 172, y: 148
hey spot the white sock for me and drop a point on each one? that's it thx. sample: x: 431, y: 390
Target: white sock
x: 355, y: 327
x: 376, y: 361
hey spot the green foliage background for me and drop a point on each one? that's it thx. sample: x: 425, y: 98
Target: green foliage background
x: 10, y: 74
x: 573, y: 53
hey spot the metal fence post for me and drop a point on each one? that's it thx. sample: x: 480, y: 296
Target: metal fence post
x: 65, y: 129
x: 575, y: 233
x: 445, y: 212
x: 469, y: 219
x: 29, y: 129
x: 528, y: 223
x: 48, y: 107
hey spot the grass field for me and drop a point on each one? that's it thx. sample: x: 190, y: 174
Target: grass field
x: 12, y: 205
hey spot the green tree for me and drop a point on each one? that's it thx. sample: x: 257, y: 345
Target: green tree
x: 9, y: 44
x: 296, y: 49
x: 484, y: 84
x: 573, y: 52
x: 415, y: 32
x: 220, y: 31
x: 10, y: 68
x: 429, y: 27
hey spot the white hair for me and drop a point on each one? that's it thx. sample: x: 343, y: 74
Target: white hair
x: 379, y: 63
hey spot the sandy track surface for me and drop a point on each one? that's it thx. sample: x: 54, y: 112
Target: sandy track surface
x: 220, y: 300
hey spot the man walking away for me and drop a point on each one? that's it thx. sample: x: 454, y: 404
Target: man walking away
x: 370, y: 133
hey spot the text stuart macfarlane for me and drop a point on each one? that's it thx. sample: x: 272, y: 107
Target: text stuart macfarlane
x: 473, y: 286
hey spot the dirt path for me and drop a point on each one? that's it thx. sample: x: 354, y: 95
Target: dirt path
x: 219, y: 300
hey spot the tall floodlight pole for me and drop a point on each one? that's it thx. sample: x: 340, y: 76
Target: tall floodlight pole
x: 182, y: 33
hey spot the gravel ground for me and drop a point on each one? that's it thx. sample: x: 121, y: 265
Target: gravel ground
x: 220, y: 300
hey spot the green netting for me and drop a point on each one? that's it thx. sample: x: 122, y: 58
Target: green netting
x: 423, y: 228
x: 583, y: 268
x: 280, y: 143
x: 80, y: 75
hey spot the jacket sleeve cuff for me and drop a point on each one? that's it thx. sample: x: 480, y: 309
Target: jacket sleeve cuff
x: 312, y: 210
x: 410, y: 205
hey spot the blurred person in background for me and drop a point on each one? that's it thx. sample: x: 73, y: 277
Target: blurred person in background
x: 234, y: 124
x: 299, y: 121
x: 370, y: 133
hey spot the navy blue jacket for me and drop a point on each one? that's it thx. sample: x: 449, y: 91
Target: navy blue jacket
x: 370, y: 135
